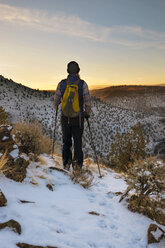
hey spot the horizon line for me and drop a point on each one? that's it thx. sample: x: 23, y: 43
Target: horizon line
x: 93, y: 87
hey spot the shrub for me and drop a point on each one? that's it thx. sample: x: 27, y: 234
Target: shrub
x: 146, y: 180
x: 3, y: 116
x: 147, y: 177
x: 3, y: 161
x: 128, y: 147
x: 31, y: 139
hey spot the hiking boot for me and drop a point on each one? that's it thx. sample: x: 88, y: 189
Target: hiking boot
x: 74, y: 164
x: 67, y: 166
x: 77, y: 167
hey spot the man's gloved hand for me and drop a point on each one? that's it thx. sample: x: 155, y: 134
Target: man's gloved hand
x: 86, y: 115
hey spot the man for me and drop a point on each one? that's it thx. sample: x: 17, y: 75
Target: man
x: 73, y: 126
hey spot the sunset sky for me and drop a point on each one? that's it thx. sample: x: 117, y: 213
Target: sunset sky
x: 114, y: 41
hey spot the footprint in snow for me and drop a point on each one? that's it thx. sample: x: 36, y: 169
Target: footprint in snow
x: 102, y: 203
x: 113, y: 226
x: 110, y: 195
x: 102, y: 224
x: 92, y: 197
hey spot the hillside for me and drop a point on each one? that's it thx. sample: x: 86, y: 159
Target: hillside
x: 143, y: 98
x: 23, y: 104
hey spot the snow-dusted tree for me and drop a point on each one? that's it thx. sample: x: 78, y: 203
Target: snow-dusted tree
x: 128, y: 147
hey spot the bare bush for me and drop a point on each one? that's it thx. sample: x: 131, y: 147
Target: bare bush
x: 30, y: 138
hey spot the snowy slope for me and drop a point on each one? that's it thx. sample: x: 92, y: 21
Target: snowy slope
x: 61, y: 217
x: 26, y: 104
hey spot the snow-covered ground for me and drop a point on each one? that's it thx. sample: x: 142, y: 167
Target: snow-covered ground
x: 61, y: 217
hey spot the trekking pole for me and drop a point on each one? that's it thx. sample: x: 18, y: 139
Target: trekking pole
x: 54, y: 132
x: 93, y: 146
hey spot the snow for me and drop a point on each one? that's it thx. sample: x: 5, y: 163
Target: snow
x: 157, y: 234
x: 10, y: 128
x: 5, y: 138
x: 147, y: 173
x: 61, y: 217
x: 14, y: 153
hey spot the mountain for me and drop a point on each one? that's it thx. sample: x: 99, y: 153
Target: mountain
x: 141, y: 98
x: 107, y: 118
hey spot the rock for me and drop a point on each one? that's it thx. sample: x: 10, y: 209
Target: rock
x: 49, y: 186
x: 12, y: 224
x: 94, y: 213
x: 24, y: 245
x: 16, y: 169
x: 3, y: 200
x: 24, y: 201
x: 6, y: 140
x: 155, y: 234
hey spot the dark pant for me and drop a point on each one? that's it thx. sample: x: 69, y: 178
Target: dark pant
x: 72, y: 127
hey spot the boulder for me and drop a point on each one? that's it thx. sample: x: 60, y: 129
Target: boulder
x: 12, y: 224
x: 15, y: 167
x: 3, y: 200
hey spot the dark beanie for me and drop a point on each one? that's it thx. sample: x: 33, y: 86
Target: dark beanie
x: 73, y: 67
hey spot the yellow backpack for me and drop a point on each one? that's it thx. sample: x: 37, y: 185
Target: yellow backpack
x: 70, y: 101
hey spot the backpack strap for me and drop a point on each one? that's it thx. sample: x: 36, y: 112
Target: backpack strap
x: 70, y: 83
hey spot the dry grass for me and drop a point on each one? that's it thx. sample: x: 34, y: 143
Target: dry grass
x: 34, y: 182
x: 88, y: 162
x: 42, y: 177
x: 42, y: 161
x: 31, y: 139
x: 3, y: 161
x: 84, y: 177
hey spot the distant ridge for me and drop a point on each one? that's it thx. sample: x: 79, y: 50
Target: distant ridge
x: 127, y: 91
x: 2, y: 78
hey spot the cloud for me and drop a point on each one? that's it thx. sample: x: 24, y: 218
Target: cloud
x: 131, y: 36
x: 59, y: 23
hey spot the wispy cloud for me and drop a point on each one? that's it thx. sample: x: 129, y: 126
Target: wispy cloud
x: 58, y: 23
x: 131, y: 36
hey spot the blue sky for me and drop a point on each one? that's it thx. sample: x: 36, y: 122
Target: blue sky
x: 114, y: 41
